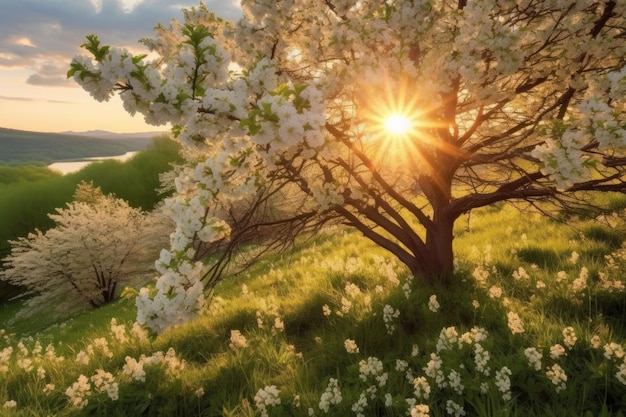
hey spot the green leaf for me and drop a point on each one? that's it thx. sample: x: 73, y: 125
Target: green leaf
x: 93, y: 46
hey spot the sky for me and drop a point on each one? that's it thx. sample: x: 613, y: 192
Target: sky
x: 39, y: 38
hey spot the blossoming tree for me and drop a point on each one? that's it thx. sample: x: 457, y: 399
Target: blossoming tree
x: 394, y: 116
x: 97, y: 243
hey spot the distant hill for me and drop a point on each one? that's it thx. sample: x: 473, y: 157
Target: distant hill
x: 19, y: 147
x: 105, y: 134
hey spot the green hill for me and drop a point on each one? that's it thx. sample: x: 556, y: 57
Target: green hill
x: 336, y: 327
x: 19, y: 147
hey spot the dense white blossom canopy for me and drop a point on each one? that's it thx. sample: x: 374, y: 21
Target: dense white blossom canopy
x: 507, y: 99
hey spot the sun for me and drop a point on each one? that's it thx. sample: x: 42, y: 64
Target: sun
x: 397, y: 124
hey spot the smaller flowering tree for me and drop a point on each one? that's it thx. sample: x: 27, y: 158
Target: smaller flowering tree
x: 98, y: 242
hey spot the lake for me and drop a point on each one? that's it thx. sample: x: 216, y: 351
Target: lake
x: 69, y: 167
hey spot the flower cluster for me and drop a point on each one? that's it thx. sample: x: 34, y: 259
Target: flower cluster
x: 557, y: 376
x: 389, y: 314
x: 79, y: 391
x: 267, y: 397
x: 515, y: 323
x: 104, y: 382
x: 351, y: 346
x: 534, y: 358
x: 433, y: 304
x: 237, y: 340
x: 503, y: 382
x: 332, y: 395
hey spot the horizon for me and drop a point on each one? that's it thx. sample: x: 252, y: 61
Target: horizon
x: 149, y: 129
x: 38, y: 44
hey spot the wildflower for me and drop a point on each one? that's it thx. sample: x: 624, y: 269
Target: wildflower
x: 388, y: 400
x: 475, y: 304
x: 279, y: 325
x: 484, y: 387
x: 332, y: 395
x: 139, y: 332
x: 515, y: 323
x: 265, y: 397
x: 481, y: 357
x: 23, y: 350
x: 134, y: 369
x: 41, y: 373
x: 595, y: 341
x: 415, y: 350
x: 433, y: 370
x: 244, y: 289
x: 534, y: 358
x: 346, y: 305
x: 561, y: 276
x: 103, y: 346
x: 406, y: 287
x: 421, y: 388
x: 621, y: 373
x: 372, y: 366
x: 401, y: 365
x: 556, y: 351
x: 359, y: 406
x: 104, y: 382
x: 237, y: 340
x: 454, y: 408
x: 447, y: 337
x: 520, y: 274
x: 326, y: 310
x: 454, y: 380
x: 25, y: 364
x: 503, y: 382
x: 574, y: 257
x: 420, y: 410
x: 540, y: 285
x: 580, y: 283
x: 557, y: 375
x: 389, y: 313
x: 569, y: 337
x: 433, y: 304
x: 352, y: 290
x: 480, y: 274
x: 5, y: 355
x: 613, y: 350
x: 82, y: 358
x: 495, y: 292
x: 78, y: 392
x: 351, y: 346
x: 48, y: 388
x: 10, y: 404
x: 479, y: 334
x: 118, y: 331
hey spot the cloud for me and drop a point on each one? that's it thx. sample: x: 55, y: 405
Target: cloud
x: 33, y: 100
x: 7, y: 98
x: 47, y: 80
x: 35, y: 34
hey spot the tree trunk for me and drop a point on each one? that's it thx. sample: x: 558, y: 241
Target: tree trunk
x: 436, y: 264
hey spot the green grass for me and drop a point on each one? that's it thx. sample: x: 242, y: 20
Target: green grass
x: 297, y: 310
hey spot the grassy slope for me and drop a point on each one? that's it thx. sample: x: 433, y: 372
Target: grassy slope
x: 23, y: 147
x: 356, y: 281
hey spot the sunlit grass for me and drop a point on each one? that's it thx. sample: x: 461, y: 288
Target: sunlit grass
x: 297, y: 310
